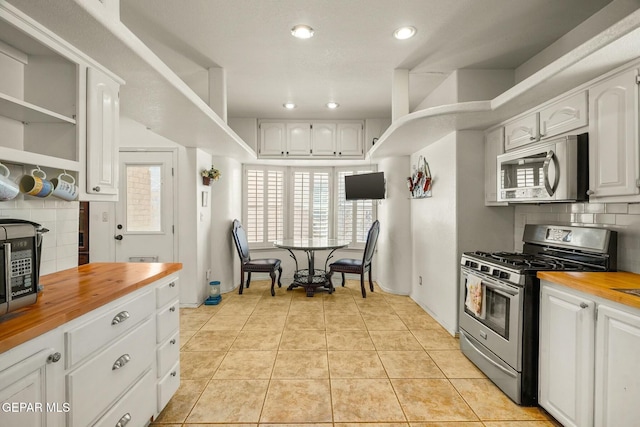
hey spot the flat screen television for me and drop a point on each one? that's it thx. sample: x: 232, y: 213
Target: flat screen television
x: 364, y: 186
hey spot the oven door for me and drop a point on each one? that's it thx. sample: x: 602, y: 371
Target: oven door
x: 542, y: 172
x: 499, y: 330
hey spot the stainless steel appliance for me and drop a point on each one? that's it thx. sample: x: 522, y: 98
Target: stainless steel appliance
x: 20, y: 250
x: 550, y: 171
x: 502, y: 338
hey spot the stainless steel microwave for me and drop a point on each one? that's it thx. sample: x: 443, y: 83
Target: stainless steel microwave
x: 551, y: 171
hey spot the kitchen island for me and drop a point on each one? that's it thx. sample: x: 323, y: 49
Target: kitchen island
x: 100, y: 346
x: 590, y: 347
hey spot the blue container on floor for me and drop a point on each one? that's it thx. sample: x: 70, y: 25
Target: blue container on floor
x: 214, y: 293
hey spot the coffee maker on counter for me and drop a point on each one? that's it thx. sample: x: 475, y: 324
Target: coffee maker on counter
x: 20, y: 251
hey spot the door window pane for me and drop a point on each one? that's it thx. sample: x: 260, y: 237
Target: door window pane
x: 144, y: 198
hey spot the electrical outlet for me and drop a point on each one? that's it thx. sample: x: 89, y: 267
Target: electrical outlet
x: 420, y: 280
x: 208, y: 274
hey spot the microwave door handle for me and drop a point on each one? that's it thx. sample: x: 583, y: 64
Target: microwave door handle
x: 545, y: 171
x: 7, y: 269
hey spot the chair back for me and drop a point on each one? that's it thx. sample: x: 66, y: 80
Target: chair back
x: 240, y: 239
x: 370, y: 246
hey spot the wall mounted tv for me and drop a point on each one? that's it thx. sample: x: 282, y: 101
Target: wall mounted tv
x: 364, y: 186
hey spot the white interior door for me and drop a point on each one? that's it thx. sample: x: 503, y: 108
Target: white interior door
x: 145, y: 210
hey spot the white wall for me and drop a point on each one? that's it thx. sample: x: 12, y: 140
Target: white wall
x: 393, y: 259
x: 226, y: 205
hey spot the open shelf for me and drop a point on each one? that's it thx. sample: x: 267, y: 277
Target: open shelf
x: 28, y: 158
x: 25, y: 112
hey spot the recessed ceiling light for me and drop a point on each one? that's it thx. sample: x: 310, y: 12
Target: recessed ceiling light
x: 302, y: 31
x: 289, y: 105
x: 404, y: 33
x: 332, y: 105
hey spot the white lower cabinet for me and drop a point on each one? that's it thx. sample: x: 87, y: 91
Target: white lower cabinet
x: 32, y: 375
x: 567, y: 330
x: 589, y: 355
x: 617, y: 384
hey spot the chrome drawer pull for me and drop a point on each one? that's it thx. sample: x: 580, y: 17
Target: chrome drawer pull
x: 172, y: 309
x: 120, y: 317
x: 172, y: 284
x: 122, y: 360
x: 124, y: 420
x: 173, y: 341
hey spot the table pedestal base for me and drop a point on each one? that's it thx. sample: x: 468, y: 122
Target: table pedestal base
x: 311, y: 282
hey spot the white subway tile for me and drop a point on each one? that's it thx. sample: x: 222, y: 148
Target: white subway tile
x: 41, y: 215
x: 67, y: 214
x: 628, y: 220
x: 67, y: 262
x: 616, y: 208
x: 561, y: 207
x: 67, y: 226
x: 67, y: 239
x: 609, y: 219
x: 47, y: 267
x: 585, y: 218
x: 594, y: 207
x: 634, y: 208
x: 577, y: 207
x: 8, y: 204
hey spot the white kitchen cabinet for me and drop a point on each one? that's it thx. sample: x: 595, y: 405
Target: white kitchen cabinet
x: 305, y: 139
x: 38, y: 98
x: 493, y: 146
x: 521, y: 131
x: 617, y: 359
x: 324, y: 139
x: 103, y: 118
x: 33, y: 373
x: 566, y: 358
x: 550, y: 120
x: 298, y: 139
x: 613, y: 139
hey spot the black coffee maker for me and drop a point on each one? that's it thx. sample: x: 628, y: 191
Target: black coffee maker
x: 20, y: 252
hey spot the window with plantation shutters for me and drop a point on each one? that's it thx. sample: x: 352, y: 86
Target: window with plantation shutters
x: 353, y: 217
x: 310, y: 203
x: 264, y: 204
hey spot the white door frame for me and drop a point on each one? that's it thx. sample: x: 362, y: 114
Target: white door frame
x: 174, y: 177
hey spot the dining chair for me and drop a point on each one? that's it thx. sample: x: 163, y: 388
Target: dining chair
x: 358, y: 266
x: 263, y: 265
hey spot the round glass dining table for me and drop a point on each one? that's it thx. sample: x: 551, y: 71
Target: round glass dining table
x: 311, y: 278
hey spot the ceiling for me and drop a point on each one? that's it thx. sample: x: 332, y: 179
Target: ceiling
x: 351, y: 58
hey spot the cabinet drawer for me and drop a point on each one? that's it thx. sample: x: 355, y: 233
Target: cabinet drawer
x: 168, y: 320
x: 94, y: 385
x: 168, y: 386
x: 135, y: 408
x: 168, y: 354
x: 167, y: 292
x: 87, y: 338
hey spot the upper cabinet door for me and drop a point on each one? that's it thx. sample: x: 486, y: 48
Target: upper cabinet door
x: 350, y: 139
x: 564, y: 116
x: 613, y: 137
x: 493, y: 146
x: 298, y: 139
x: 272, y: 139
x: 323, y: 137
x: 103, y: 118
x: 521, y: 132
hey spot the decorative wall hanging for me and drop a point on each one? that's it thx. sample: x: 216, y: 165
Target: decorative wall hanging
x: 419, y: 183
x: 209, y: 175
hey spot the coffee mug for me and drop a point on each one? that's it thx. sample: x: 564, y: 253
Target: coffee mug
x: 36, y: 184
x: 64, y: 187
x: 8, y: 189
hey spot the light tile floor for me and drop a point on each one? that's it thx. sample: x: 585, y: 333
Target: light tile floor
x: 332, y: 360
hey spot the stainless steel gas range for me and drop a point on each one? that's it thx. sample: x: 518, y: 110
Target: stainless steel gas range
x: 500, y: 300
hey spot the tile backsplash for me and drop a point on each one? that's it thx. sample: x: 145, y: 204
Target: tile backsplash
x: 60, y: 244
x: 621, y: 217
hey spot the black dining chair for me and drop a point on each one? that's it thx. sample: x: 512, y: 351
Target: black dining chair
x: 264, y: 265
x: 358, y: 266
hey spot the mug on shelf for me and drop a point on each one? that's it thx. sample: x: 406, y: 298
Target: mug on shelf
x: 64, y: 187
x: 36, y: 184
x: 8, y: 189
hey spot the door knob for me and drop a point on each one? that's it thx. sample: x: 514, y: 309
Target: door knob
x: 96, y: 189
x: 118, y: 237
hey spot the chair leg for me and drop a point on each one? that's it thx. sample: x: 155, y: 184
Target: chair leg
x: 248, y: 279
x: 342, y: 279
x: 279, y: 276
x: 272, y: 274
x: 241, y: 282
x: 364, y: 293
x: 370, y: 282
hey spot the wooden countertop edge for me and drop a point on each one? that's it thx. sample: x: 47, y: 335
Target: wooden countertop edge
x: 52, y: 311
x: 601, y: 284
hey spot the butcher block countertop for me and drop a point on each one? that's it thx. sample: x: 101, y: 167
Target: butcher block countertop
x: 69, y: 294
x: 603, y: 285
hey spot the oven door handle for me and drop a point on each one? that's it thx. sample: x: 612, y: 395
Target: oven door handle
x: 501, y: 368
x: 545, y: 171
